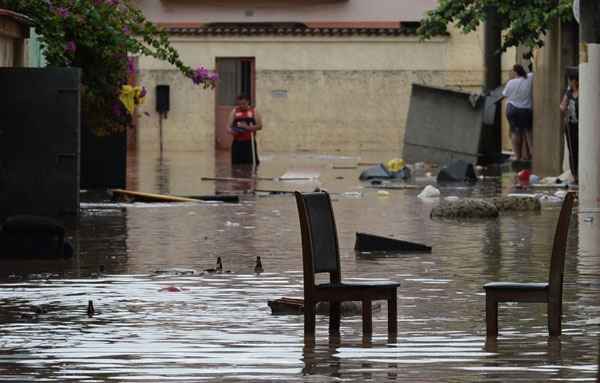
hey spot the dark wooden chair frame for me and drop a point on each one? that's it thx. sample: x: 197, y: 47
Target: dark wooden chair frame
x: 549, y: 293
x: 320, y: 254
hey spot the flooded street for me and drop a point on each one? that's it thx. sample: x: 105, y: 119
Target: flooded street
x: 158, y: 320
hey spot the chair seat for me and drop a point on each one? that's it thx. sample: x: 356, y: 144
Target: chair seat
x: 360, y: 285
x: 515, y: 286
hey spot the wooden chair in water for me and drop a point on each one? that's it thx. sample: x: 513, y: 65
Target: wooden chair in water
x: 320, y: 254
x: 549, y: 293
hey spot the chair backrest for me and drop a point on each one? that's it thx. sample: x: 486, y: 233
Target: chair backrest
x: 320, y: 251
x: 559, y: 248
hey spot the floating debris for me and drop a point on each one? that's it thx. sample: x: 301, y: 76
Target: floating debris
x: 176, y: 272
x: 295, y: 306
x: 430, y: 191
x: 217, y: 269
x: 90, y: 309
x: 369, y: 242
x: 259, y: 267
x: 172, y: 289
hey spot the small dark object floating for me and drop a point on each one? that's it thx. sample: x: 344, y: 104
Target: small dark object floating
x: 457, y: 171
x: 259, y: 267
x: 370, y: 242
x: 283, y: 306
x: 218, y: 269
x: 90, y: 309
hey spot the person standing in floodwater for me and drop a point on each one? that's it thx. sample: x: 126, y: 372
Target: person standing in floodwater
x: 570, y: 106
x: 243, y: 123
x: 519, y: 112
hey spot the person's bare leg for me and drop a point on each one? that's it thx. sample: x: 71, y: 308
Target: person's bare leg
x: 528, y: 145
x: 517, y: 142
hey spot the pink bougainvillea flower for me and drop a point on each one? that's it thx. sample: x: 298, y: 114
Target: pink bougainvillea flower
x: 70, y: 46
x: 131, y: 65
x: 201, y: 75
x: 62, y: 12
x: 117, y: 109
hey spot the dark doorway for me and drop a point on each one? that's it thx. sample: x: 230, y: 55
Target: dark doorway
x: 236, y: 76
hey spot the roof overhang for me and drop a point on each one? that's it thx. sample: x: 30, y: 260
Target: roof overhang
x: 14, y: 25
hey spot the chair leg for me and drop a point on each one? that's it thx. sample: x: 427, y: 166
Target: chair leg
x: 392, y: 316
x: 367, y: 317
x: 334, y: 318
x: 309, y: 319
x: 491, y: 315
x: 554, y: 319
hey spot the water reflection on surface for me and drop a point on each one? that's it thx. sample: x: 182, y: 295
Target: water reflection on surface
x: 218, y: 327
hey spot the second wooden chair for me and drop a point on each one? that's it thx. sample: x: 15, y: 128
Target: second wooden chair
x: 549, y: 292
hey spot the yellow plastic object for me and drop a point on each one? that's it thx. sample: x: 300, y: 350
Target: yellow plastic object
x: 395, y: 165
x: 130, y: 96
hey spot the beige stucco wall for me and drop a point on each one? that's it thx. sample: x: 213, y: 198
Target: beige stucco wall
x: 347, y: 94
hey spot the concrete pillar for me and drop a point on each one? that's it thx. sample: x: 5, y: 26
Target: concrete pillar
x: 547, y: 93
x: 589, y: 105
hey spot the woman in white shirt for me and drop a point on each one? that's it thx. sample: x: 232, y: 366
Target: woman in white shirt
x: 519, y: 112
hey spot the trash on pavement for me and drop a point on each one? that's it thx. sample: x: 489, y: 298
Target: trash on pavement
x: 429, y: 192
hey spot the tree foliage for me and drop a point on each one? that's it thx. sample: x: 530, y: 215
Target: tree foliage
x: 99, y: 36
x: 524, y: 22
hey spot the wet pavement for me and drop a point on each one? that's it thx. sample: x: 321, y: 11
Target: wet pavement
x: 179, y: 325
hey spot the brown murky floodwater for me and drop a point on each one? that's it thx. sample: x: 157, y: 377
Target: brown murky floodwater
x: 218, y: 327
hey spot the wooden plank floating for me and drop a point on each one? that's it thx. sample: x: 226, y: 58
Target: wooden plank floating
x: 299, y: 175
x: 287, y: 306
x: 234, y: 179
x: 295, y: 306
x: 270, y: 191
x: 344, y: 167
x: 218, y: 198
x: 394, y: 187
x: 129, y: 195
x: 370, y: 242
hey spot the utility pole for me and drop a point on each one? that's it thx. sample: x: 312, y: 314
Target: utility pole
x: 491, y: 44
x: 492, y: 41
x: 589, y: 104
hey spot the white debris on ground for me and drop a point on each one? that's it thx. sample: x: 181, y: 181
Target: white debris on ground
x: 429, y: 192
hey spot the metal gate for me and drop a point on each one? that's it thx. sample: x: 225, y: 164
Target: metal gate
x: 39, y: 141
